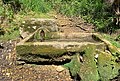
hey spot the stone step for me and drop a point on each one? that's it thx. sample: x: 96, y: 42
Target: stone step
x: 67, y: 35
x: 72, y: 34
x: 82, y: 39
x: 33, y: 24
x: 59, y: 36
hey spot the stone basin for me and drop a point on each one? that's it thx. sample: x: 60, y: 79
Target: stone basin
x: 58, y: 48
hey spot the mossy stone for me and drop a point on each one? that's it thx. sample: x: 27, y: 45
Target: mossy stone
x: 88, y: 69
x: 42, y: 50
x: 107, y: 67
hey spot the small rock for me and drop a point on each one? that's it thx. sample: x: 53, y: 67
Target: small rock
x: 8, y: 74
x: 24, y: 34
x: 10, y: 41
x: 34, y: 27
x: 32, y: 22
x: 10, y: 63
x: 20, y: 62
x: 23, y: 22
x: 1, y: 44
x: 67, y: 72
x: 28, y: 26
x: 6, y: 57
x: 9, y: 50
x: 96, y: 56
x: 60, y: 68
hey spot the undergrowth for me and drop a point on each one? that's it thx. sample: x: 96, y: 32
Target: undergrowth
x: 93, y: 11
x: 9, y: 29
x: 36, y: 5
x: 10, y: 33
x: 112, y: 40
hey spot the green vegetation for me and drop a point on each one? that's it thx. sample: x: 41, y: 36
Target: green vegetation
x: 107, y: 67
x: 9, y: 36
x: 12, y: 19
x: 74, y: 65
x: 87, y: 70
x: 112, y: 40
x: 102, y: 68
x: 93, y: 11
x: 36, y: 5
x: 9, y: 32
x: 42, y: 50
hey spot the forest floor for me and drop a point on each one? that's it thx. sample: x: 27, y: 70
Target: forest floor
x: 10, y: 70
x: 75, y: 24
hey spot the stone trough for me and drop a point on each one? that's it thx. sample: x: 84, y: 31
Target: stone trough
x: 57, y: 46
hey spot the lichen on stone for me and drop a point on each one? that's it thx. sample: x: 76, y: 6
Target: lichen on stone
x: 107, y: 67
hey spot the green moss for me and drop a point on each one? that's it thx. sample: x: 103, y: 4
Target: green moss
x: 87, y: 70
x: 112, y: 46
x: 107, y: 67
x: 104, y: 68
x: 10, y: 36
x: 28, y: 27
x: 74, y: 65
x: 51, y: 35
x: 37, y: 36
x: 33, y: 58
x: 40, y: 50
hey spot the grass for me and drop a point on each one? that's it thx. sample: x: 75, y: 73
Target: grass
x: 112, y: 40
x: 30, y: 9
x: 93, y: 11
x: 36, y: 5
x: 9, y: 36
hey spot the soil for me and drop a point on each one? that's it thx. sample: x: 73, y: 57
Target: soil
x: 11, y: 70
x: 76, y: 24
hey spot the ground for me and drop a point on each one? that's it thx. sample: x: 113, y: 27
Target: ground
x: 10, y: 70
